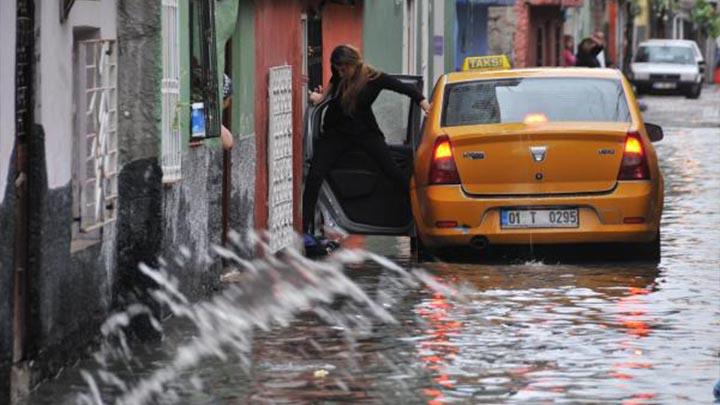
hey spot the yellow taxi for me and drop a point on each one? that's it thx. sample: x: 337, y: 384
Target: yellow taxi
x: 536, y: 156
x: 505, y: 157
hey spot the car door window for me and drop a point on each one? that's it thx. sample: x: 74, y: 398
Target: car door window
x: 391, y: 111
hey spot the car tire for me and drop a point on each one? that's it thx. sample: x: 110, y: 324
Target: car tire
x: 650, y: 251
x: 694, y: 91
x: 419, y: 251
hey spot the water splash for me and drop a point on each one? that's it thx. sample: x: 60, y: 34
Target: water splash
x: 260, y: 294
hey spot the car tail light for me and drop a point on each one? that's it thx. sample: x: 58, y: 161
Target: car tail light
x: 442, y: 167
x: 634, y: 162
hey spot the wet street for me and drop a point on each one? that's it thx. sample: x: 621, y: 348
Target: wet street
x: 529, y: 331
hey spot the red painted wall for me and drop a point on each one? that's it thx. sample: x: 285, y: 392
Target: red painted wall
x: 340, y: 25
x: 611, y: 40
x: 277, y: 42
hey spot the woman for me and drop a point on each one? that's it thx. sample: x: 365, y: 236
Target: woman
x: 568, y: 55
x: 350, y: 123
x: 587, y: 54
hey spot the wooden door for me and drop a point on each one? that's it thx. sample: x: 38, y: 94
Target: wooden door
x: 545, y: 44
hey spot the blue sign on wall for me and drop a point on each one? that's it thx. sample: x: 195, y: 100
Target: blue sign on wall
x: 438, y: 44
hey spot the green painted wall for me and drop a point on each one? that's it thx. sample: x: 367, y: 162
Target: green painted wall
x: 243, y: 54
x: 226, y: 12
x: 383, y: 34
x: 225, y: 20
x: 450, y: 18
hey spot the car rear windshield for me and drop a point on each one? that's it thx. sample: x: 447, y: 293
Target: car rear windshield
x: 554, y: 99
x: 681, y: 55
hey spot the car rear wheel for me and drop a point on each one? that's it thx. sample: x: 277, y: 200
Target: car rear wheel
x: 418, y: 250
x: 650, y: 251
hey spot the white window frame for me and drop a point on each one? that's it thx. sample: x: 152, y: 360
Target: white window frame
x: 97, y: 125
x: 171, y: 142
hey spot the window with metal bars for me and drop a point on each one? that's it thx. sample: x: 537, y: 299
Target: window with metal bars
x: 171, y: 143
x: 96, y: 167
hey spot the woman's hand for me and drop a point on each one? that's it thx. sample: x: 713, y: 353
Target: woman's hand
x: 317, y: 96
x: 425, y: 106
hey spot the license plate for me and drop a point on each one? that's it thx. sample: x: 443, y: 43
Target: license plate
x: 540, y: 218
x: 664, y: 85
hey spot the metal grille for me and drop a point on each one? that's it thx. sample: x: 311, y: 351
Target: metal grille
x: 171, y: 136
x: 98, y: 193
x: 665, y: 77
x: 280, y: 159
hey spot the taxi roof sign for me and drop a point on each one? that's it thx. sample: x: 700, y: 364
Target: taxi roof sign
x: 484, y: 63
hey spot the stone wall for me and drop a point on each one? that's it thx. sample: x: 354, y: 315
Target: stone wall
x: 501, y: 30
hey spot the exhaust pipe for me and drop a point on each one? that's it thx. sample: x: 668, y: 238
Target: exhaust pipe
x: 479, y: 242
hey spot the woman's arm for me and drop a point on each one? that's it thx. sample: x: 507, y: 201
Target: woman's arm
x: 319, y: 94
x: 390, y: 83
x: 226, y: 138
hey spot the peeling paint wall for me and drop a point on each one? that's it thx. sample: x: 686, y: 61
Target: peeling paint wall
x: 7, y: 208
x: 7, y: 89
x: 140, y: 190
x: 275, y: 50
x: 70, y: 290
x: 341, y: 24
x: 501, y: 30
x: 244, y: 154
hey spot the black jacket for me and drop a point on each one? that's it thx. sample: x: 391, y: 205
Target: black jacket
x: 362, y: 122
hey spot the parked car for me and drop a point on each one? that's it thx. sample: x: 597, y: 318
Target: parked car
x: 507, y: 157
x: 668, y: 65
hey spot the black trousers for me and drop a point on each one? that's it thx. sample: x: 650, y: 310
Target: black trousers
x: 328, y: 150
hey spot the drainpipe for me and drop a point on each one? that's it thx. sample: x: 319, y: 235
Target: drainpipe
x: 24, y: 103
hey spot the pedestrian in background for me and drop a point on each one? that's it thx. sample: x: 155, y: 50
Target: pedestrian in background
x: 602, y: 57
x: 568, y: 55
x: 350, y: 124
x: 587, y: 54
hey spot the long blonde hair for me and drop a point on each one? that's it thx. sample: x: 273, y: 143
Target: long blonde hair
x: 350, y: 87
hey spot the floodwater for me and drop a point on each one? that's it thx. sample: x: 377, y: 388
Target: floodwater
x: 535, y: 331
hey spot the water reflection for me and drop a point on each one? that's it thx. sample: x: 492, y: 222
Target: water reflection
x: 533, y: 331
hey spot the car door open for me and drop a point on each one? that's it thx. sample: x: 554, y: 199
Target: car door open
x: 357, y: 196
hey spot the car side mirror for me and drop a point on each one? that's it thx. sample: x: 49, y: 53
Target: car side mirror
x: 655, y: 132
x: 642, y: 106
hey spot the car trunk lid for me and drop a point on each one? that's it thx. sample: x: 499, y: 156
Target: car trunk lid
x: 551, y: 158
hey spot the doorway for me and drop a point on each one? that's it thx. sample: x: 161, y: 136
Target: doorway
x: 314, y: 49
x: 546, y: 44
